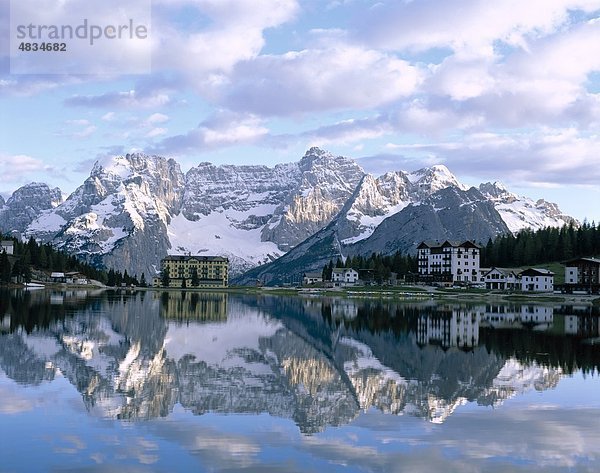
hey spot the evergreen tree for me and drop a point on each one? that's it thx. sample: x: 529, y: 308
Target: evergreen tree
x: 4, y: 268
x: 112, y: 280
x: 43, y: 258
x: 143, y: 282
x: 166, y: 278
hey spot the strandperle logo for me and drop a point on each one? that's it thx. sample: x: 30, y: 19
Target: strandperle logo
x: 80, y: 37
x: 84, y: 31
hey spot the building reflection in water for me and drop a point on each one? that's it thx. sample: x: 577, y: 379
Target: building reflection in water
x: 200, y: 306
x: 316, y: 361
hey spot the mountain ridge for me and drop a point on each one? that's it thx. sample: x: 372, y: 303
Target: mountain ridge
x: 135, y: 209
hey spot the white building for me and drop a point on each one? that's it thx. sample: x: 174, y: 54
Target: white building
x: 312, y: 278
x: 8, y: 246
x: 344, y: 276
x: 453, y: 328
x: 537, y: 280
x: 540, y: 317
x: 502, y: 279
x: 448, y: 261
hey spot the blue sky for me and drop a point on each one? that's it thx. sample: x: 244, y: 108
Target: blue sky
x: 505, y: 90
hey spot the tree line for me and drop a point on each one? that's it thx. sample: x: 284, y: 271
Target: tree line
x: 524, y: 248
x: 31, y: 255
x: 379, y: 267
x: 547, y: 245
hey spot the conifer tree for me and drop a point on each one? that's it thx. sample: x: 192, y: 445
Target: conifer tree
x: 166, y: 278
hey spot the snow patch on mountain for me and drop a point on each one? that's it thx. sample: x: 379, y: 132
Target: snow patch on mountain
x: 217, y: 234
x: 520, y: 212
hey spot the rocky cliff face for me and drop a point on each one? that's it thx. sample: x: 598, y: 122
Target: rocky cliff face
x: 26, y: 204
x: 254, y: 214
x: 449, y: 213
x: 326, y: 182
x: 119, y: 216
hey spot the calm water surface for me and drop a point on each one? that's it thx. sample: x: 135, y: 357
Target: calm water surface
x: 161, y: 382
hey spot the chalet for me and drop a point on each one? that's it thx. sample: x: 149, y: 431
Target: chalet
x: 344, y: 276
x: 448, y: 262
x: 58, y: 276
x: 501, y: 279
x: 8, y: 246
x: 536, y: 280
x: 582, y: 275
x: 76, y: 278
x: 312, y: 278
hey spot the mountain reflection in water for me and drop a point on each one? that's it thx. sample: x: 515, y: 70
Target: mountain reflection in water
x: 320, y: 362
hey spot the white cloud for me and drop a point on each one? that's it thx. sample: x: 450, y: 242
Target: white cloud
x: 124, y: 100
x: 234, y: 33
x: 221, y: 130
x: 545, y: 157
x: 157, y: 118
x: 469, y: 27
x: 156, y: 132
x: 341, y: 76
x: 19, y: 166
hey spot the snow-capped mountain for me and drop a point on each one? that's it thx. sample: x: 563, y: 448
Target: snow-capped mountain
x: 449, y: 213
x: 133, y: 210
x: 26, y: 204
x: 521, y: 212
x: 119, y: 216
x: 254, y: 214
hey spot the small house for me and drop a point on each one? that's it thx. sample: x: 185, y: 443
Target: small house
x: 76, y: 278
x: 58, y: 277
x: 8, y: 246
x: 344, y: 276
x: 312, y: 278
x: 501, y: 279
x: 537, y: 280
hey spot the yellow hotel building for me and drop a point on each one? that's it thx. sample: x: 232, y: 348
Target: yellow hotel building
x: 212, y: 271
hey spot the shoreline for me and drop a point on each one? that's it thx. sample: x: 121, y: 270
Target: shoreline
x: 406, y: 293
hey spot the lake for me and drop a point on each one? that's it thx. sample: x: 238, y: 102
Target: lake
x: 217, y: 382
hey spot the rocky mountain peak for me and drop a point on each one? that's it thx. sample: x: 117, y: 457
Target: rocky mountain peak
x: 432, y: 179
x: 314, y: 153
x: 496, y: 190
x: 26, y: 203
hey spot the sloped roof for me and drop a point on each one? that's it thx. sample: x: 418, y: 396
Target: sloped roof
x: 536, y: 272
x: 446, y: 243
x: 588, y: 260
x: 198, y: 258
x: 505, y: 271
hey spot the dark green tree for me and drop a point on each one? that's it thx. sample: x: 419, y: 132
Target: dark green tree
x: 5, y: 268
x: 166, y: 278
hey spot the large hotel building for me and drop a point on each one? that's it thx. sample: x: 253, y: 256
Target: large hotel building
x: 210, y: 271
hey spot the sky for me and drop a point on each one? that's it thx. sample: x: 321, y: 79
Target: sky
x: 505, y: 91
